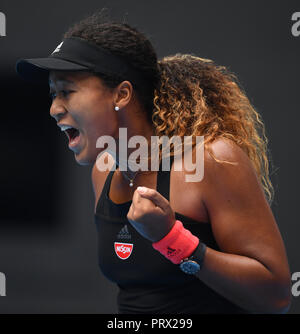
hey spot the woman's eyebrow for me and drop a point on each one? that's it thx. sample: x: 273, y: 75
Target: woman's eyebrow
x: 62, y: 81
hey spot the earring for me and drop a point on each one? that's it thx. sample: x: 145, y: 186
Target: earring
x: 117, y: 108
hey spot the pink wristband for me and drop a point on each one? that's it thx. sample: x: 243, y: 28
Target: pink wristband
x: 178, y: 244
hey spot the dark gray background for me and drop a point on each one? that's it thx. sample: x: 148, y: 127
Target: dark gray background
x: 47, y: 234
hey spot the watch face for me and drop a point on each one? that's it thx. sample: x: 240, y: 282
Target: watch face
x: 190, y: 267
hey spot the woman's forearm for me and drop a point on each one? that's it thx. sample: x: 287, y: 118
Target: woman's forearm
x: 245, y: 282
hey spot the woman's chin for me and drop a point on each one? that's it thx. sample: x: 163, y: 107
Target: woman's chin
x: 83, y: 162
x: 84, y: 159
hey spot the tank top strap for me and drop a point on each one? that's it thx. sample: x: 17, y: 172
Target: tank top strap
x: 105, y: 189
x: 163, y: 180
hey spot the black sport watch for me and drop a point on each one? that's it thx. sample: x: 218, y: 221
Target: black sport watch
x: 193, y: 264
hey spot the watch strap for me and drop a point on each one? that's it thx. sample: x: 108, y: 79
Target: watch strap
x: 199, y: 254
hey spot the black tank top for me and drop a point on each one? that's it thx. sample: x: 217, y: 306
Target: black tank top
x: 148, y: 282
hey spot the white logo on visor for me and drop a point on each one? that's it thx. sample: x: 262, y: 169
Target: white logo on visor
x: 57, y: 48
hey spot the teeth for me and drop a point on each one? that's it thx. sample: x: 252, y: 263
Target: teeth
x: 65, y: 127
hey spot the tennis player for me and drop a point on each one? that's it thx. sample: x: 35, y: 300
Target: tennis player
x: 171, y: 246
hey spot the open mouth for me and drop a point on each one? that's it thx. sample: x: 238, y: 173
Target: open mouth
x: 74, y: 137
x: 72, y: 133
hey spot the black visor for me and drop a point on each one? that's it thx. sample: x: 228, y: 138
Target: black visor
x: 76, y: 54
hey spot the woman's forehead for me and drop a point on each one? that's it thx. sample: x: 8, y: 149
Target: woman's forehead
x: 67, y: 76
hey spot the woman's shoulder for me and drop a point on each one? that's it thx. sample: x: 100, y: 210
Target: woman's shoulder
x: 223, y: 158
x: 224, y: 149
x: 230, y: 177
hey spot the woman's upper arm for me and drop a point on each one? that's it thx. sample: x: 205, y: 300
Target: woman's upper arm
x: 241, y: 218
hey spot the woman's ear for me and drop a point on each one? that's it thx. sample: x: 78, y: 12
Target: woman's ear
x: 123, y: 95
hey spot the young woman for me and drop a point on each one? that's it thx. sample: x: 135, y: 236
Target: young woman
x: 172, y: 246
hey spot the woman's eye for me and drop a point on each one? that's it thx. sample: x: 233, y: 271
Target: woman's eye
x: 63, y: 93
x: 52, y: 95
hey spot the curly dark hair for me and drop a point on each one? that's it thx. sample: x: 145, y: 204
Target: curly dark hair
x: 186, y: 95
x: 196, y: 97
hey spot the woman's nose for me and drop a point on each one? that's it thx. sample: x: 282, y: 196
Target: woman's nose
x: 57, y: 111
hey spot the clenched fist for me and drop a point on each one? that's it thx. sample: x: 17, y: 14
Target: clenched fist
x: 151, y: 214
